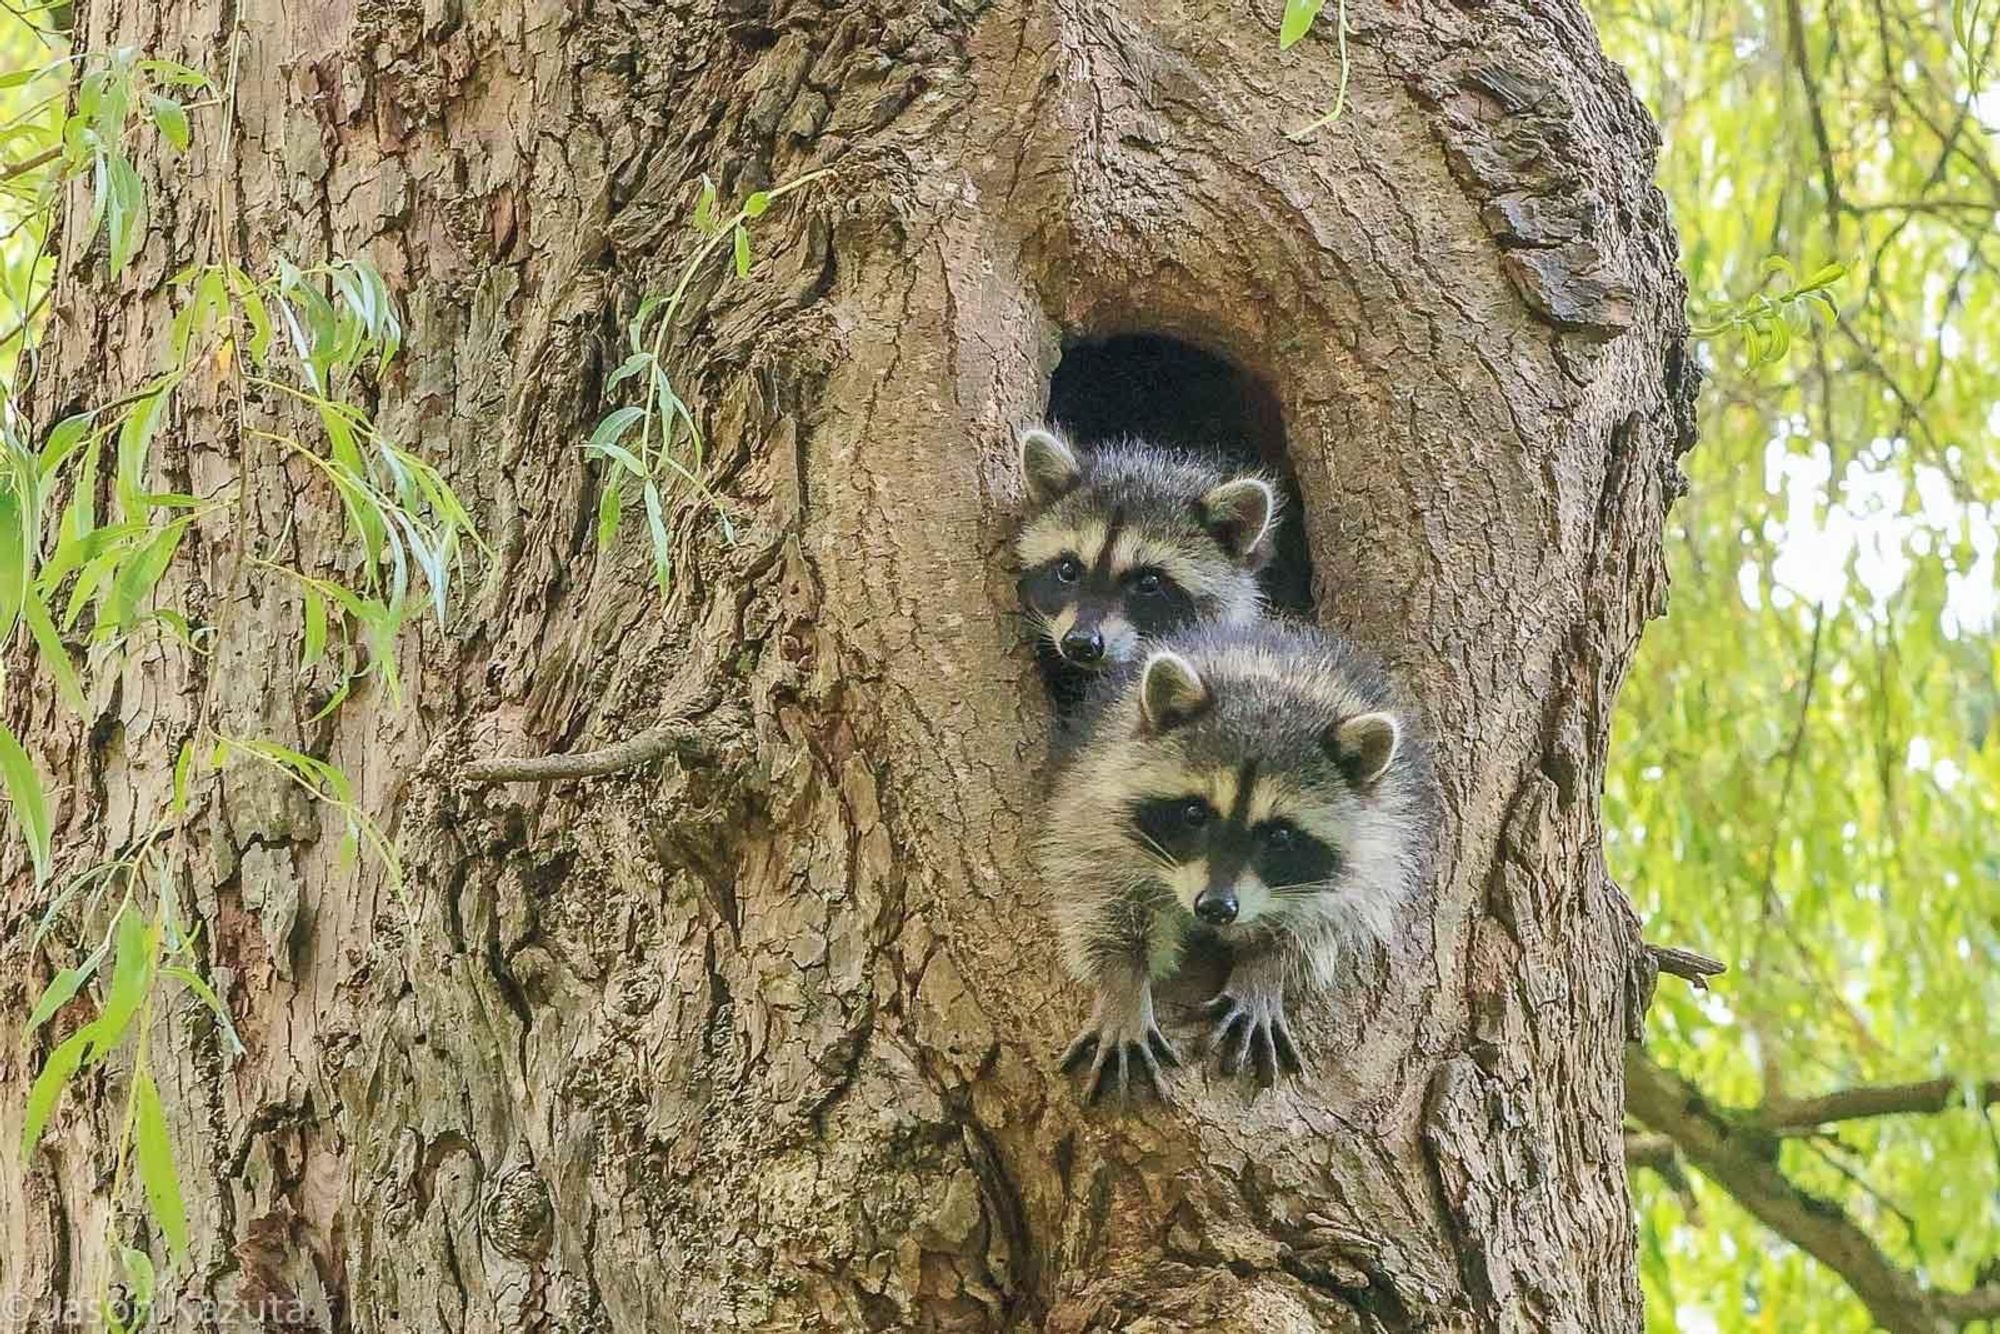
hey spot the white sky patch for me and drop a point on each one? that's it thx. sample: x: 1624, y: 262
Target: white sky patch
x: 1750, y: 583
x: 1695, y: 1320
x: 1869, y: 531
x: 1986, y: 104
x: 1972, y: 595
x: 1812, y: 557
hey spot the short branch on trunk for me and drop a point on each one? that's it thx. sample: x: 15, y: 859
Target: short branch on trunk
x: 1686, y: 964
x: 678, y: 735
x: 1735, y: 1150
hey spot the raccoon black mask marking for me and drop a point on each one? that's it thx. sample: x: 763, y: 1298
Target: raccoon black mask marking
x: 1129, y: 542
x: 1252, y: 785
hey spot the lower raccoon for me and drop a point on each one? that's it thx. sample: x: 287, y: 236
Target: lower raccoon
x: 1129, y: 541
x: 1251, y: 786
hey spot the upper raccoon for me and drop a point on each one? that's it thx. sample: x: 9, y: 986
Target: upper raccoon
x: 1252, y: 785
x: 1129, y: 541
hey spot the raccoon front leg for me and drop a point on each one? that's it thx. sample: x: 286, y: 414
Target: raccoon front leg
x: 1122, y: 1036
x: 1250, y: 1018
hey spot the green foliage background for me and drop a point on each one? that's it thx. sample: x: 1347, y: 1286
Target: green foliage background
x: 1805, y: 774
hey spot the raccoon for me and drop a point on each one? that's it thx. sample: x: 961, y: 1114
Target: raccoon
x: 1128, y: 541
x: 1250, y: 786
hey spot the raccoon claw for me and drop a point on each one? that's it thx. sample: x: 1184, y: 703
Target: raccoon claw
x: 1251, y: 1028
x: 1116, y: 1045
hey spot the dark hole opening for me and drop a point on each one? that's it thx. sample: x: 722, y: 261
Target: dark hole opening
x: 1171, y: 393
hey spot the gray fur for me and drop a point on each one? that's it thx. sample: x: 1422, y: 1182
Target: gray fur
x: 1286, y: 697
x: 1207, y: 529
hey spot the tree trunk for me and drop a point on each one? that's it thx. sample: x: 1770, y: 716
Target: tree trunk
x: 765, y: 1037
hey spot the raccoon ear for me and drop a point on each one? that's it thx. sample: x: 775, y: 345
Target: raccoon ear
x: 1171, y: 692
x: 1364, y: 747
x: 1240, y: 514
x: 1048, y: 465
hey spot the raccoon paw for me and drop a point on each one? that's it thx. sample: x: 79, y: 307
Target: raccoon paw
x: 1250, y: 1027
x: 1119, y: 1040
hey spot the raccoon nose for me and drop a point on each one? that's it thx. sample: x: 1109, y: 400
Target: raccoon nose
x: 1083, y: 646
x: 1217, y: 907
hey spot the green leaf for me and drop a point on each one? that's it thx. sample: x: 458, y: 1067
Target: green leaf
x: 609, y: 505
x: 135, y: 442
x: 742, y: 252
x: 95, y: 575
x: 429, y: 554
x: 141, y: 1281
x: 183, y: 775
x: 628, y: 368
x: 80, y: 517
x: 136, y: 580
x: 131, y: 971
x: 51, y: 653
x: 62, y: 988
x: 62, y: 442
x: 172, y: 71
x: 704, y: 208
x: 1780, y: 335
x: 315, y: 619
x: 614, y: 426
x: 623, y: 457
x: 154, y: 1151
x: 195, y: 983
x: 756, y: 204
x: 125, y: 211
x: 16, y: 551
x: 172, y: 119
x: 1298, y: 21
x: 30, y: 804
x: 74, y: 551
x: 663, y: 556
x: 317, y: 773
x: 56, y: 1073
x: 251, y: 299
x: 208, y: 300
x: 635, y: 331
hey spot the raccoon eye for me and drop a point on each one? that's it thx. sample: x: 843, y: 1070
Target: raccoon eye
x: 1194, y: 813
x: 1069, y: 569
x: 1148, y: 584
x: 1280, y: 837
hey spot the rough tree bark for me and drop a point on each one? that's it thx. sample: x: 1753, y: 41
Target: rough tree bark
x: 766, y: 1039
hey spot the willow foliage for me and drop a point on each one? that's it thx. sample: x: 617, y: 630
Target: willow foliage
x: 1806, y: 774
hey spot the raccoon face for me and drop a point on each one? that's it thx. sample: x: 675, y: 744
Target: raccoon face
x: 1243, y: 830
x: 1129, y: 543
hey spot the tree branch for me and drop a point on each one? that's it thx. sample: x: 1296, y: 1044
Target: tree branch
x: 1690, y: 967
x: 1855, y: 1104
x: 1795, y: 31
x: 1739, y: 1158
x: 675, y: 735
x: 1654, y: 1151
x: 1982, y: 1303
x: 28, y: 164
